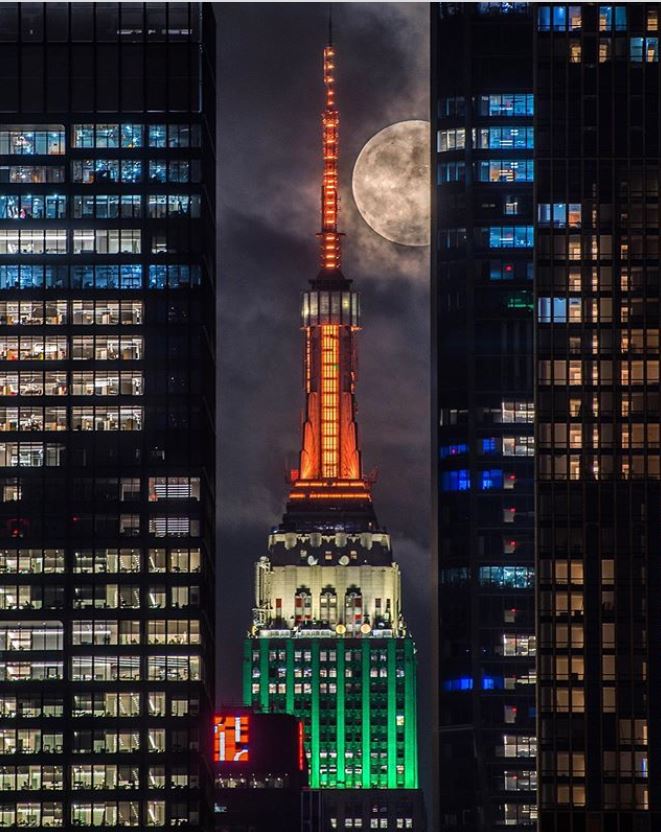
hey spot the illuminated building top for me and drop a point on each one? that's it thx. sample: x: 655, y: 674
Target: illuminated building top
x: 328, y: 641
x: 330, y: 568
x: 329, y: 480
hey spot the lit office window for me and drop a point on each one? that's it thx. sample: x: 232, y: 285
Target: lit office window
x: 32, y: 141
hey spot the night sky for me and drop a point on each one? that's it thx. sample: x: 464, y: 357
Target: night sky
x: 270, y: 100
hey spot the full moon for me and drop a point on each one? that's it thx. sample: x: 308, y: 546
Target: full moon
x: 391, y: 185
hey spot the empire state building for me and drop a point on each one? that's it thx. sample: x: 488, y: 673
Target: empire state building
x: 329, y: 642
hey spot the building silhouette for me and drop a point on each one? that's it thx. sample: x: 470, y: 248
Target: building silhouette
x: 597, y: 394
x: 591, y: 75
x: 107, y: 120
x: 483, y: 145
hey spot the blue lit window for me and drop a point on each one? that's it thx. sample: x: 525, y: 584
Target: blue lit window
x: 9, y: 277
x: 544, y: 18
x: 491, y: 479
x: 513, y: 577
x: 32, y: 277
x: 559, y: 214
x: 463, y: 683
x: 453, y: 450
x: 559, y: 18
x: 552, y: 309
x: 493, y: 683
x: 179, y: 170
x: 89, y: 171
x: 82, y: 135
x: 606, y: 18
x: 157, y: 135
x: 505, y: 170
x: 127, y: 276
x: 162, y: 276
x: 27, y: 142
x: 506, y: 138
x: 501, y: 8
x: 621, y: 19
x: 489, y: 445
x: 107, y: 135
x: 131, y: 135
x: 511, y: 236
x: 456, y: 480
x: 131, y: 276
x: 644, y: 50
x: 32, y: 207
x: 131, y: 170
x: 158, y: 171
x: 507, y: 104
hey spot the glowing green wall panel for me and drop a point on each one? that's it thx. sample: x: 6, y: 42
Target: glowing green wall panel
x: 367, y: 689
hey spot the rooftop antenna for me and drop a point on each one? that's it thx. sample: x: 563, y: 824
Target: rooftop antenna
x: 329, y: 235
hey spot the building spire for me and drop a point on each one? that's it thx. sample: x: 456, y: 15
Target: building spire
x: 330, y: 474
x: 330, y: 128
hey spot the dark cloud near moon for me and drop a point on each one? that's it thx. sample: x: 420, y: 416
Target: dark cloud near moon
x: 270, y: 99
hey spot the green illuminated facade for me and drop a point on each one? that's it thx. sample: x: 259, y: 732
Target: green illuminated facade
x: 357, y: 697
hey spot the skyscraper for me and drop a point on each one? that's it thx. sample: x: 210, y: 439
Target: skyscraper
x: 596, y: 279
x: 598, y: 471
x: 107, y: 257
x: 483, y: 107
x: 329, y: 642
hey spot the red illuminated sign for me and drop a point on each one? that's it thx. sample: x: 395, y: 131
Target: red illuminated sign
x: 231, y: 738
x: 301, y: 748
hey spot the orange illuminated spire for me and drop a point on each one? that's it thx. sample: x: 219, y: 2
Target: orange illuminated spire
x: 330, y: 465
x: 330, y: 201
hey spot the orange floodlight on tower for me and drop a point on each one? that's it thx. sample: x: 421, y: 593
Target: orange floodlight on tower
x: 330, y: 201
x: 330, y: 464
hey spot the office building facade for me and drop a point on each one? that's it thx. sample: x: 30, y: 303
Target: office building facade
x: 107, y: 116
x: 596, y: 267
x: 482, y: 256
x: 598, y: 470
